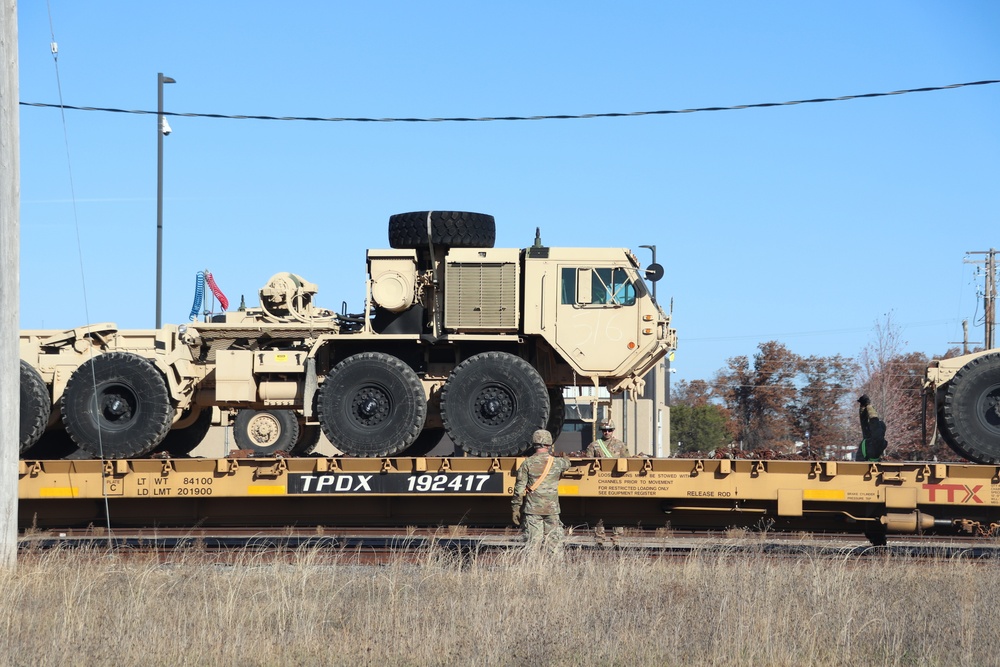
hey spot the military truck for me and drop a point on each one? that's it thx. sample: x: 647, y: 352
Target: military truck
x: 966, y: 394
x: 456, y: 337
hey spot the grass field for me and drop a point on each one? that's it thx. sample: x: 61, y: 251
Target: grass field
x: 711, y: 608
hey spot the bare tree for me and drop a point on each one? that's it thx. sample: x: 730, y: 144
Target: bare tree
x: 892, y: 378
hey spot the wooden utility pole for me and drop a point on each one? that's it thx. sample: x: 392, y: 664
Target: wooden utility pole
x: 989, y: 294
x: 10, y: 230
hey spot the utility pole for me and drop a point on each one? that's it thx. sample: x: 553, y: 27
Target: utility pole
x: 989, y: 293
x: 10, y: 232
x: 162, y: 129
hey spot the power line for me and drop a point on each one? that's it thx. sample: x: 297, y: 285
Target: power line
x: 663, y: 112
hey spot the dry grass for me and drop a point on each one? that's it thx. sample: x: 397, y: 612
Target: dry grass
x: 68, y: 607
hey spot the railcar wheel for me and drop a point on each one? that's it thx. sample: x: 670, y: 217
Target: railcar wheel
x: 266, y: 431
x: 35, y: 406
x: 492, y: 403
x: 371, y: 404
x: 453, y: 229
x: 182, y: 441
x: 970, y: 411
x: 116, y: 405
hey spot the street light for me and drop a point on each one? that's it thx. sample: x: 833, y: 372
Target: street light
x: 656, y: 377
x: 162, y: 129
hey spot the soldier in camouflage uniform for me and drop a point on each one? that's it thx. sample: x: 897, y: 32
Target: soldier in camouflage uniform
x: 607, y: 446
x: 537, y: 492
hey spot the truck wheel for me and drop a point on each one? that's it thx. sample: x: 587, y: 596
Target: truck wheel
x: 970, y: 411
x: 492, y: 403
x: 116, y: 405
x: 182, y: 441
x: 35, y: 406
x: 371, y: 404
x: 454, y: 229
x: 557, y: 412
x: 308, y: 440
x: 266, y: 431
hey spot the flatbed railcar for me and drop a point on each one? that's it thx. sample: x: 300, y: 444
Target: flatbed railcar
x: 871, y: 498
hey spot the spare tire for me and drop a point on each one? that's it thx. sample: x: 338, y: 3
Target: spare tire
x: 452, y: 229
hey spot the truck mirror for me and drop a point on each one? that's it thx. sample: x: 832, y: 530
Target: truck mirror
x: 654, y: 272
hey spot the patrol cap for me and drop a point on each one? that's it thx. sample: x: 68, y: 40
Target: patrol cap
x: 608, y: 425
x: 541, y: 438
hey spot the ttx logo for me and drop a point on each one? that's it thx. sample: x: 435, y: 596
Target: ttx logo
x: 952, y: 490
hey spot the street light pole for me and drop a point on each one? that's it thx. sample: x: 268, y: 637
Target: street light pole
x: 162, y: 128
x: 656, y: 378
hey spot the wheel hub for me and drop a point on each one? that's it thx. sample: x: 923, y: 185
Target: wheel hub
x: 371, y: 406
x: 264, y: 430
x: 494, y: 406
x: 116, y: 408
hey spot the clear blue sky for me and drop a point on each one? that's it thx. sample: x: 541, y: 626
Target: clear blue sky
x: 804, y: 224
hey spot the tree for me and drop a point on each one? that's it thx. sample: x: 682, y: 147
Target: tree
x: 822, y: 408
x: 700, y: 428
x: 691, y: 394
x: 760, y: 398
x: 893, y: 380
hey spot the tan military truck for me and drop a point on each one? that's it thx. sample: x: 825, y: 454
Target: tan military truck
x: 456, y: 337
x: 966, y: 393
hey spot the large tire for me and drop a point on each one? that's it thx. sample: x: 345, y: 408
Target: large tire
x: 182, y: 441
x: 557, y: 412
x: 492, y: 403
x: 116, y: 405
x: 371, y: 404
x: 266, y: 432
x: 308, y: 439
x: 970, y: 410
x: 453, y: 229
x: 36, y: 405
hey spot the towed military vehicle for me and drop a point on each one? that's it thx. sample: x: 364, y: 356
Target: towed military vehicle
x: 456, y: 337
x: 966, y: 394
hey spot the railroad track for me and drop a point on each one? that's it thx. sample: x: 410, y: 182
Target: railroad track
x: 378, y: 545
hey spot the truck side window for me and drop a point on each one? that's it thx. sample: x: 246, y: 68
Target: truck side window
x: 568, y: 287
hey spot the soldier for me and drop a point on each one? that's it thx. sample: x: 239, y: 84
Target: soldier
x: 607, y: 446
x: 537, y: 490
x: 873, y: 442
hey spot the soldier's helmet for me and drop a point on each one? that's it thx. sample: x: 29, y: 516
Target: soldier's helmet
x: 541, y: 438
x: 608, y: 425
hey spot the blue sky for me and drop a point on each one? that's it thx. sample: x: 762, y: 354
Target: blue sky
x: 804, y: 224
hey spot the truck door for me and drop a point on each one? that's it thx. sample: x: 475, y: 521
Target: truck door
x: 597, y: 322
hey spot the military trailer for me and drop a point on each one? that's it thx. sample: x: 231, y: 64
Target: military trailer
x: 966, y: 395
x: 456, y: 337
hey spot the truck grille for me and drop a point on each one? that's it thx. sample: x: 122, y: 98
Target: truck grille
x: 480, y: 297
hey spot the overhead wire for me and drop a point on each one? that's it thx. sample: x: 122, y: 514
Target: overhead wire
x: 612, y: 114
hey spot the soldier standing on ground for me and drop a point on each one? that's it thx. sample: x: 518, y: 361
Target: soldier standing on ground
x: 607, y: 446
x: 537, y: 493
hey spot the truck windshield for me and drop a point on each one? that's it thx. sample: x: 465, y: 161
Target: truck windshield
x: 608, y: 286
